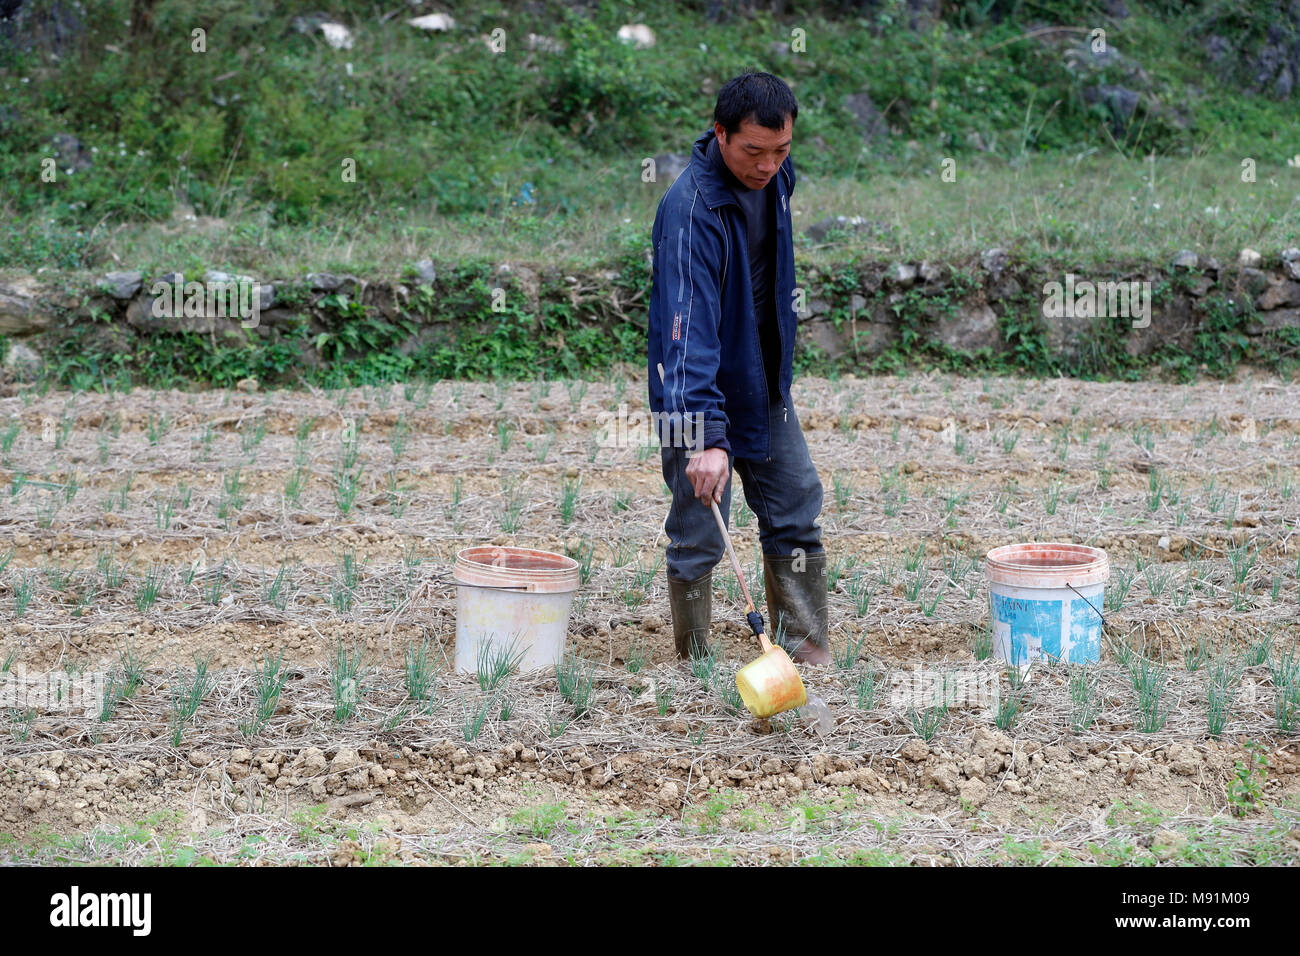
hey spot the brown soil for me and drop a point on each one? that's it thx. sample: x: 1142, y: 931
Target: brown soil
x: 1187, y: 489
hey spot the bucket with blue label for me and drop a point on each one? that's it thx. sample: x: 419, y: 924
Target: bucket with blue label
x: 1046, y: 602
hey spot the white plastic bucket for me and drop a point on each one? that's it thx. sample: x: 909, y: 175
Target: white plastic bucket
x: 513, y: 596
x: 1046, y: 601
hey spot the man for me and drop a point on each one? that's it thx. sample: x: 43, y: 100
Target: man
x: 721, y: 347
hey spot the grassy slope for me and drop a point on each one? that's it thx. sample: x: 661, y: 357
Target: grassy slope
x: 445, y: 134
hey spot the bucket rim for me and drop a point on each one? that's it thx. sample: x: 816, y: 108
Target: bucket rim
x: 1089, y: 565
x: 474, y: 566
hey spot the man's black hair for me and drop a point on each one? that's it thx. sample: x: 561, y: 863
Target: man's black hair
x: 758, y: 97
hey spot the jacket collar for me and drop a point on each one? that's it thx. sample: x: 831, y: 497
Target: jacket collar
x: 710, y: 182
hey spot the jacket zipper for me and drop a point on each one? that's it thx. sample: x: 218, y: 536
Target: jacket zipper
x: 780, y: 340
x: 780, y: 351
x: 767, y: 398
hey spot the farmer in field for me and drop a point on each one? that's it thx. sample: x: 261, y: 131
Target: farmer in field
x: 721, y: 347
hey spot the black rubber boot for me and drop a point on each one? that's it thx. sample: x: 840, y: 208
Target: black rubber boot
x: 692, y: 607
x: 796, y: 604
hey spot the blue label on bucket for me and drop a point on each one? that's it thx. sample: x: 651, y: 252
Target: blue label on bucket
x: 1027, y: 630
x: 1085, y: 631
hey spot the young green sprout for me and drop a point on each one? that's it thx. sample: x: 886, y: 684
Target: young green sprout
x: 864, y: 689
x: 847, y: 654
x: 576, y: 681
x: 664, y: 690
x: 1222, y: 677
x: 420, y: 673
x: 637, y: 655
x: 568, y: 502
x: 147, y: 593
x: 1150, y: 682
x: 187, y: 692
x: 268, y: 684
x: 472, y: 725
x: 1083, y: 697
x: 497, y: 662
x: 347, y: 672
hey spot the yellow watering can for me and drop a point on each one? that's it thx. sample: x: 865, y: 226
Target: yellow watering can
x: 769, y: 685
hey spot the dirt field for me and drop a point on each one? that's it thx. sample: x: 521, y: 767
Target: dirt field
x: 141, y: 532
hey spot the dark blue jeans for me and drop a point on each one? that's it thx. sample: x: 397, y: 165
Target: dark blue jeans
x: 785, y: 495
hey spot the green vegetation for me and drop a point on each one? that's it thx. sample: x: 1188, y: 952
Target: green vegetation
x: 575, y: 678
x: 268, y: 683
x: 187, y: 692
x: 488, y: 158
x: 496, y: 662
x: 348, y: 670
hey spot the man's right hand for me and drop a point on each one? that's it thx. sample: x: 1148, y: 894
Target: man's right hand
x: 709, y: 472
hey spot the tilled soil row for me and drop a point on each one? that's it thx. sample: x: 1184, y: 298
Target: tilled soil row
x: 443, y: 786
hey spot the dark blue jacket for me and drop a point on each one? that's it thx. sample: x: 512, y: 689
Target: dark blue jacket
x: 702, y: 324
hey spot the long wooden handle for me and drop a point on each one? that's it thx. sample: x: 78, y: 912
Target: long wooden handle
x: 731, y: 553
x: 735, y: 566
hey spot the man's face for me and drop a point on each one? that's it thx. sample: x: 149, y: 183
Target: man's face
x: 754, y: 153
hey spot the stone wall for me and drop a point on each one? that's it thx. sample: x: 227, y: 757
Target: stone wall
x: 978, y: 311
